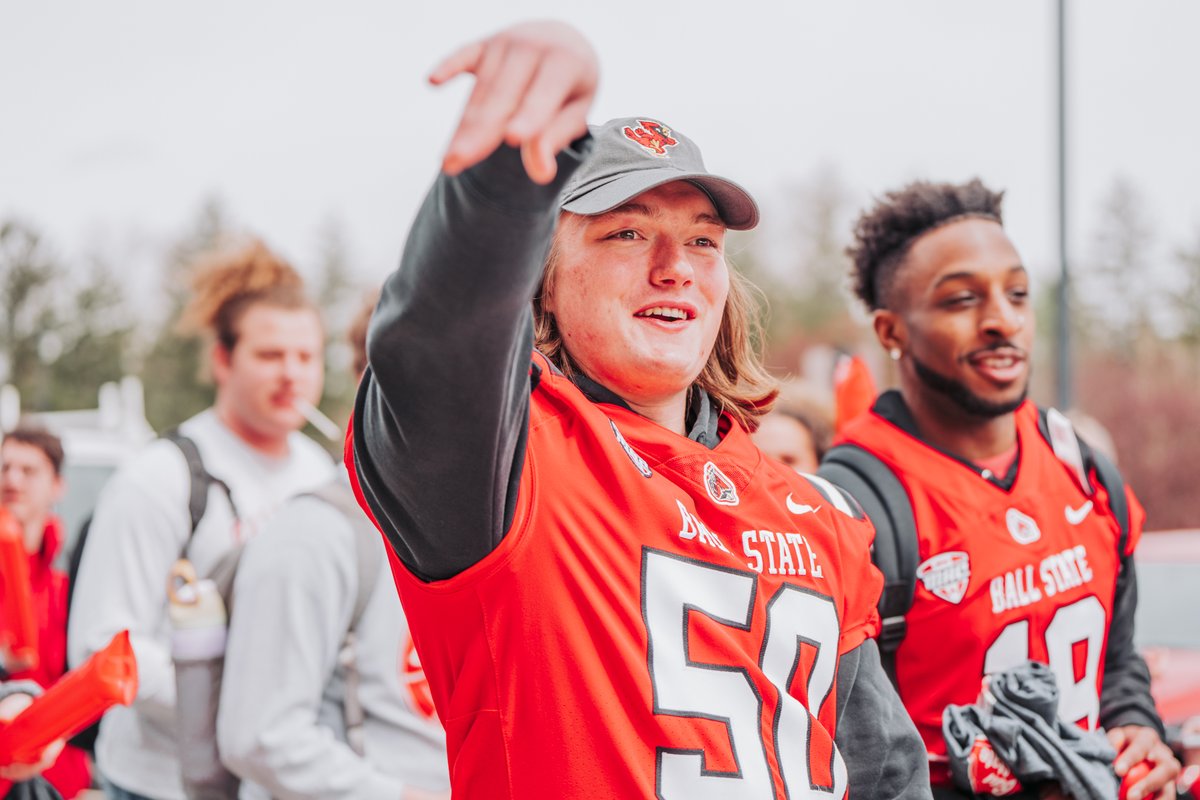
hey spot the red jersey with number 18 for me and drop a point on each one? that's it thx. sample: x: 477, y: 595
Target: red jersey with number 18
x: 660, y: 619
x: 1005, y: 575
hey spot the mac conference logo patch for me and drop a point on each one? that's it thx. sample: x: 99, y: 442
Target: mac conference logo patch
x: 946, y: 575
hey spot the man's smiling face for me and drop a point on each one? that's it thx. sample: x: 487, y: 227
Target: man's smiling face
x: 639, y: 292
x: 962, y: 296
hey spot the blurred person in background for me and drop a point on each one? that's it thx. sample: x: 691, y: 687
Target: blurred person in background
x: 31, y: 483
x: 796, y: 432
x: 266, y: 361
x: 1024, y: 555
x: 292, y: 674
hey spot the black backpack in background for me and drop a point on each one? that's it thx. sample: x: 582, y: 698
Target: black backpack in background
x: 201, y: 481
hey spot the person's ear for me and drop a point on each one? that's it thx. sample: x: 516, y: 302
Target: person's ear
x: 221, y: 360
x: 891, y: 332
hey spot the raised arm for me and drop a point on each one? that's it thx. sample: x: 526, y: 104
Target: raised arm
x: 441, y: 416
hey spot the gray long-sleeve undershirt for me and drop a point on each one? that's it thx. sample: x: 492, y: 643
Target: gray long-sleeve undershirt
x: 449, y: 348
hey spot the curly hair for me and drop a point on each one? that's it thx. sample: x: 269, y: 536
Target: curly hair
x: 733, y: 376
x: 884, y: 234
x: 227, y: 283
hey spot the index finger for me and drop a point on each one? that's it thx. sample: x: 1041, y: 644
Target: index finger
x: 502, y: 75
x: 464, y: 59
x: 538, y: 154
x: 559, y: 85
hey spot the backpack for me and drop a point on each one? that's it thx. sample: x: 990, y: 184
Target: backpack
x: 200, y: 481
x: 886, y: 503
x: 198, y: 673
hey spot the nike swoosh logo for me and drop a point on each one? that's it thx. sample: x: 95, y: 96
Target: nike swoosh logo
x: 1078, y: 515
x: 799, y: 508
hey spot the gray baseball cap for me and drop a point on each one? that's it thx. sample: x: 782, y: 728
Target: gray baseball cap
x: 632, y: 155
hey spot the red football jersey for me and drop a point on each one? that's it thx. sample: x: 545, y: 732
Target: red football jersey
x: 1005, y: 575
x: 661, y: 619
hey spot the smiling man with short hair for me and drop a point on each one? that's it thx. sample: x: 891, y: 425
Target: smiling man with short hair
x: 1023, y: 554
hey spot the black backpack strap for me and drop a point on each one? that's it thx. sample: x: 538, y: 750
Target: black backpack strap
x: 895, y: 552
x: 367, y: 541
x: 200, y: 480
x: 1110, y: 477
x: 368, y: 547
x: 1083, y: 459
x: 1058, y: 431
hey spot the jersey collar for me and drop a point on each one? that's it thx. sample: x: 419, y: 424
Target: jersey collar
x: 890, y: 406
x: 702, y: 415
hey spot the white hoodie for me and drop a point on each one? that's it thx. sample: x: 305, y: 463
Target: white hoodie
x: 139, y: 529
x: 280, y: 722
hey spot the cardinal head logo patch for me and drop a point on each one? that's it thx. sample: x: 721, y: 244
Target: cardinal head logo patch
x: 1024, y: 528
x: 719, y: 487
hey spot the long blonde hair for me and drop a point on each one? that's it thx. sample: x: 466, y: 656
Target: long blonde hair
x: 733, y: 376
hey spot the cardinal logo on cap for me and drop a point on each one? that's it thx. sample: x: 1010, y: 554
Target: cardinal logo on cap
x: 654, y: 136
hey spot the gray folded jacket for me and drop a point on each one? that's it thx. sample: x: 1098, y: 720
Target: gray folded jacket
x: 1021, y: 723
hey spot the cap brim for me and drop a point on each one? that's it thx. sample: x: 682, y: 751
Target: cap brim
x: 734, y: 204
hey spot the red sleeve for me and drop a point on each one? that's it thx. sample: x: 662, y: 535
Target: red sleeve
x: 862, y: 583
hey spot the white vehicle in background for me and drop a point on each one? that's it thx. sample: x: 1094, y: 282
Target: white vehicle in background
x: 95, y: 442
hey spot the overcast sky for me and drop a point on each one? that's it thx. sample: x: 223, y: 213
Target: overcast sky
x: 120, y: 117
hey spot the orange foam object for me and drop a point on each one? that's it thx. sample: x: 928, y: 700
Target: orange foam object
x: 854, y: 391
x: 18, y: 631
x: 75, y: 701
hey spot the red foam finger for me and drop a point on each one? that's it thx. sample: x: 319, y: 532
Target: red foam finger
x: 854, y: 391
x: 77, y: 700
x: 18, y: 632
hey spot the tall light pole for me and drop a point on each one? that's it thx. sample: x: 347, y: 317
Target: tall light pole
x: 1063, y: 363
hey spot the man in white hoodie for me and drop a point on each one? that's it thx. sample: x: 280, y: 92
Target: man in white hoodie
x: 266, y: 360
x: 288, y: 687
